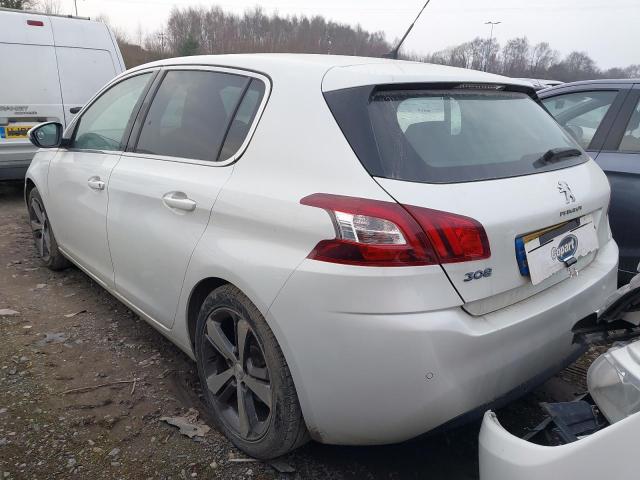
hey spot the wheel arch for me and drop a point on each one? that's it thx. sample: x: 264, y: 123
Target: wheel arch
x: 197, y: 296
x: 29, y: 185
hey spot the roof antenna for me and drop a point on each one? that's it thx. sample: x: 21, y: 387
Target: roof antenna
x: 394, y: 53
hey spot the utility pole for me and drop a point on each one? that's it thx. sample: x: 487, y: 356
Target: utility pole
x: 75, y: 4
x: 486, y: 56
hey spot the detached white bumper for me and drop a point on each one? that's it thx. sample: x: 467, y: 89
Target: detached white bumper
x: 609, y: 454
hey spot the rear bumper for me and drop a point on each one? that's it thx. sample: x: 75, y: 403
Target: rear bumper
x: 15, y: 159
x: 366, y: 375
x: 13, y: 173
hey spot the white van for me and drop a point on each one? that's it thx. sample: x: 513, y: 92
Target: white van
x: 50, y: 66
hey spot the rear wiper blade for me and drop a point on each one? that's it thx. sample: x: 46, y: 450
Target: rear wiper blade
x: 556, y: 154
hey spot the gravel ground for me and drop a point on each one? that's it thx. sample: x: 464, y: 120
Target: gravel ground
x: 69, y: 334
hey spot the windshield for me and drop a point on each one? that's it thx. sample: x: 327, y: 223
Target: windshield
x: 459, y: 135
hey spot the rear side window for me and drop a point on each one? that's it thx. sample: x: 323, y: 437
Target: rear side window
x: 193, y: 113
x: 243, y: 119
x: 581, y: 113
x: 444, y: 136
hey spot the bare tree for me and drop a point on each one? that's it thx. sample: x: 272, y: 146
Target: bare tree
x: 17, y: 4
x: 201, y: 30
x: 542, y: 57
x: 515, y: 57
x: 518, y: 59
x: 49, y: 6
x: 632, y: 71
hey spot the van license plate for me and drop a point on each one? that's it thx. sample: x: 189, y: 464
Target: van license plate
x: 16, y: 132
x: 560, y: 247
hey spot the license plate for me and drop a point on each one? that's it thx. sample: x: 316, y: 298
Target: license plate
x: 558, y: 248
x: 16, y: 132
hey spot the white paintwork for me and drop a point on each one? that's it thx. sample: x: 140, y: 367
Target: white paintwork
x: 80, y: 213
x: 381, y: 71
x: 377, y: 355
x: 508, y: 208
x: 49, y: 69
x: 614, y: 384
x: 608, y: 454
x: 150, y: 242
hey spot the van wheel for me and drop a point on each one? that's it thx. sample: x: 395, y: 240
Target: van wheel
x: 45, y: 241
x: 245, y: 377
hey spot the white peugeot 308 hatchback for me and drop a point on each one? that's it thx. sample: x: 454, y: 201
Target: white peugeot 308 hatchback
x: 353, y: 250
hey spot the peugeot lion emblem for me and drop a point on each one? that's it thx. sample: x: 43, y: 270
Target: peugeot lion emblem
x: 563, y: 187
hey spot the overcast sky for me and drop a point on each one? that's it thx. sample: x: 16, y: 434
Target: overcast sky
x: 608, y: 30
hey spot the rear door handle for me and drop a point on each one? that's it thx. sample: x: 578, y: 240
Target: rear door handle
x: 95, y: 183
x: 179, y: 200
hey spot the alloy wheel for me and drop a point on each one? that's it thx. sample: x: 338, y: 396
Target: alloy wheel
x: 237, y: 376
x: 40, y: 228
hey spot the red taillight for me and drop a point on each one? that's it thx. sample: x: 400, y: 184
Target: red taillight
x: 35, y: 23
x: 370, y: 232
x: 387, y: 234
x: 455, y: 238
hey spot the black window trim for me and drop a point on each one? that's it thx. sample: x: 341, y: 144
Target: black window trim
x: 70, y: 132
x: 150, y: 95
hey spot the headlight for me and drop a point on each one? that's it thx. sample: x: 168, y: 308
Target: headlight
x: 614, y: 381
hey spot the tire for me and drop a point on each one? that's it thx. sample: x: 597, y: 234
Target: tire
x: 273, y: 423
x: 45, y: 241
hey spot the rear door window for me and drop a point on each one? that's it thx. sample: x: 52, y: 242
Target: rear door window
x: 455, y: 135
x: 191, y: 114
x: 581, y: 113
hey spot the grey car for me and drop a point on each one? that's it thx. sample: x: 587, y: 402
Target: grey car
x: 604, y: 118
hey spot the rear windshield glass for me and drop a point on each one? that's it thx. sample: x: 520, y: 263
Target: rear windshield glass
x: 444, y: 136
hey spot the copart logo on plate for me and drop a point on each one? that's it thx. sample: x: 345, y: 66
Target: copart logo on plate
x: 566, y: 248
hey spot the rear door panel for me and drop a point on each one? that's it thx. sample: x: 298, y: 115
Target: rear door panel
x: 508, y: 208
x: 150, y: 242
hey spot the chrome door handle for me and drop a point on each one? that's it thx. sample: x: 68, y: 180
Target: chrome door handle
x: 179, y: 200
x: 95, y: 183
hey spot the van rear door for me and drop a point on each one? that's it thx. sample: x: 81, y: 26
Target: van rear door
x: 87, y: 59
x: 29, y: 89
x: 83, y: 72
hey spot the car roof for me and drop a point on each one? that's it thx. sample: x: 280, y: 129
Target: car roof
x: 602, y: 81
x: 339, y: 71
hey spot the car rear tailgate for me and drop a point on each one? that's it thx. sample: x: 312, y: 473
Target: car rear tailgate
x: 507, y: 209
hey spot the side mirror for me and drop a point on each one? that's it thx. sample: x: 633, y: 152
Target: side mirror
x: 46, y: 135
